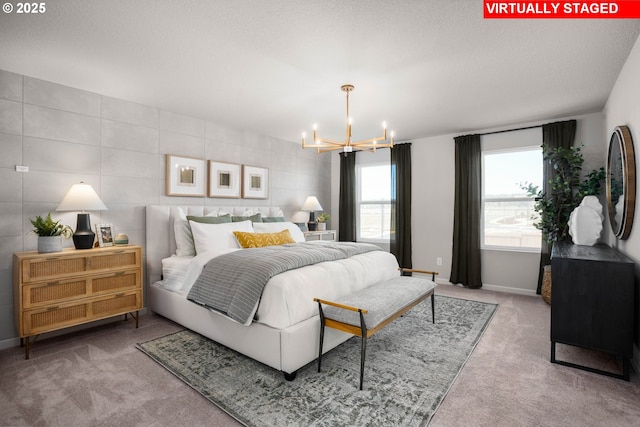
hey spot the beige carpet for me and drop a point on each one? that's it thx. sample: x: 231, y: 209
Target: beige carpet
x: 507, y: 381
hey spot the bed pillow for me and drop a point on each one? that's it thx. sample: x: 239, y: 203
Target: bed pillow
x: 183, y: 236
x: 259, y: 240
x: 207, y: 237
x: 273, y: 219
x: 253, y: 218
x: 272, y: 227
x: 210, y: 219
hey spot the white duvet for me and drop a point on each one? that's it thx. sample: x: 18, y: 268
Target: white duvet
x: 287, y: 298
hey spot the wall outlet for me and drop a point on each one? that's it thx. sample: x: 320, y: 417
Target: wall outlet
x: 20, y: 168
x: 439, y: 261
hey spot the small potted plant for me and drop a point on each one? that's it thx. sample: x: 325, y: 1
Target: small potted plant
x: 322, y: 221
x: 50, y: 233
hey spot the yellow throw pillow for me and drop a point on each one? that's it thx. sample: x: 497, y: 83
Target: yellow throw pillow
x: 259, y: 240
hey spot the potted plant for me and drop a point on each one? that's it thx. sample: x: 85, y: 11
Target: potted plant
x: 50, y: 233
x: 322, y: 221
x: 566, y: 190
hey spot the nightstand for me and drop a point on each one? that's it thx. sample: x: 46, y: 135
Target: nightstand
x: 327, y: 235
x: 57, y: 290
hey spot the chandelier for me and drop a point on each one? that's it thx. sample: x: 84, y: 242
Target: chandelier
x: 323, y: 145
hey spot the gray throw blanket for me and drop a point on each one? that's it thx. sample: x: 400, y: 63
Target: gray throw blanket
x: 232, y: 283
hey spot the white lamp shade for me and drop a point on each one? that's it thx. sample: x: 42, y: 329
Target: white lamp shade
x: 311, y: 204
x: 81, y: 197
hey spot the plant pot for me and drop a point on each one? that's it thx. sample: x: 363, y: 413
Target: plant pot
x: 545, y: 290
x: 322, y: 226
x: 48, y: 244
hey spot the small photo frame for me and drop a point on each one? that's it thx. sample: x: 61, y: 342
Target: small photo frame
x: 255, y: 182
x: 185, y: 176
x: 104, y: 233
x: 224, y: 180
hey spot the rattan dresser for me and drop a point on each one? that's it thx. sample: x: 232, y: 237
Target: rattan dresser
x: 57, y: 290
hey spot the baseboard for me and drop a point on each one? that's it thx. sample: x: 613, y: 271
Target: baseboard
x: 635, y: 360
x: 509, y: 290
x: 15, y: 341
x: 497, y: 288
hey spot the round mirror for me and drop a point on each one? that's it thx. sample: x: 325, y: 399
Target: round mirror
x: 621, y: 182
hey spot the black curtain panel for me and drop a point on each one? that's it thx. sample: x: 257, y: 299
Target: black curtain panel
x: 347, y: 198
x: 465, y: 265
x: 554, y: 135
x: 401, y: 204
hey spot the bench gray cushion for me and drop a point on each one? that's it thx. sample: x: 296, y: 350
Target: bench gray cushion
x: 382, y: 300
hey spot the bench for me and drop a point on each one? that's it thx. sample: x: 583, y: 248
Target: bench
x: 365, y: 312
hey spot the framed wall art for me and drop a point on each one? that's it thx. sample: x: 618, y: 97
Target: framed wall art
x: 185, y: 176
x: 224, y: 180
x: 255, y: 182
x: 104, y: 233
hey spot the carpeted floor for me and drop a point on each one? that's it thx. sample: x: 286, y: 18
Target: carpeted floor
x: 410, y: 366
x: 96, y: 377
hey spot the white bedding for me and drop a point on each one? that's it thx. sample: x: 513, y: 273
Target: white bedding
x: 288, y: 297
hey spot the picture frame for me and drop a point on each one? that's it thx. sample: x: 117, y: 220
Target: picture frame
x: 224, y: 179
x: 104, y: 233
x: 186, y: 176
x: 255, y: 182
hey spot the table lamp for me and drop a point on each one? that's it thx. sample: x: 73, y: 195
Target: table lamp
x: 82, y: 197
x: 312, y: 204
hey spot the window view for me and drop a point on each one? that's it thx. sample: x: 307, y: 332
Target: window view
x: 508, y: 214
x: 374, y: 202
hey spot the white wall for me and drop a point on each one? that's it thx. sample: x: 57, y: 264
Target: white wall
x: 67, y: 135
x: 623, y: 108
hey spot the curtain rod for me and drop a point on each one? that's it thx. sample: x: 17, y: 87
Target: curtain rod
x: 509, y: 130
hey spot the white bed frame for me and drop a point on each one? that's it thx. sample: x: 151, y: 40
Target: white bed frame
x: 284, y: 349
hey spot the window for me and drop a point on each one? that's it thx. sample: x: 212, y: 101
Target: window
x: 373, y: 208
x: 507, y: 212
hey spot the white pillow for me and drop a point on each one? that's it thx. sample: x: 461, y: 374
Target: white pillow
x: 183, y: 236
x: 274, y: 227
x: 182, y: 233
x: 207, y: 237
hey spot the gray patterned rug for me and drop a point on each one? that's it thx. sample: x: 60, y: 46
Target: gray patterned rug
x: 409, y: 368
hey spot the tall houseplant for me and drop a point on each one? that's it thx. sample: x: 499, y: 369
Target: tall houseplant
x: 566, y: 190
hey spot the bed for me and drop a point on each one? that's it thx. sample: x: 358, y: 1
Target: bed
x: 285, y: 335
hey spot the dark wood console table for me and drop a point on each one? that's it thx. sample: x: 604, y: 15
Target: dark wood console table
x: 592, y: 302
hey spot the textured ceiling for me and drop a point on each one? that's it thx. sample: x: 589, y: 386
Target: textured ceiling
x: 276, y: 67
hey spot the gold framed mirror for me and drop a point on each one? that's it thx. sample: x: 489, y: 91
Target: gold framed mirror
x: 621, y: 182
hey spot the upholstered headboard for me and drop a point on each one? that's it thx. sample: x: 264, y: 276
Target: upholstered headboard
x: 160, y: 235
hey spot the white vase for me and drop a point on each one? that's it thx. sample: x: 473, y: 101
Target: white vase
x: 585, y: 222
x: 48, y: 244
x: 322, y: 226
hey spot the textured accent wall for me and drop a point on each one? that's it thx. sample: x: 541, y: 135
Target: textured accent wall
x: 66, y: 135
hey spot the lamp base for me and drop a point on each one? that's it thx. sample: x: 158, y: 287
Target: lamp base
x: 312, y: 221
x: 83, y: 237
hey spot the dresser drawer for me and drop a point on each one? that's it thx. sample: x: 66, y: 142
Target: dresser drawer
x: 59, y: 291
x: 41, y: 268
x: 59, y: 316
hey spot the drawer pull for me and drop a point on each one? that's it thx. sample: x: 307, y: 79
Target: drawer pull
x: 120, y: 295
x: 53, y: 308
x: 53, y: 283
x: 119, y: 273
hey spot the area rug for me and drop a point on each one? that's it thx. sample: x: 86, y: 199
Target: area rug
x: 410, y: 366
